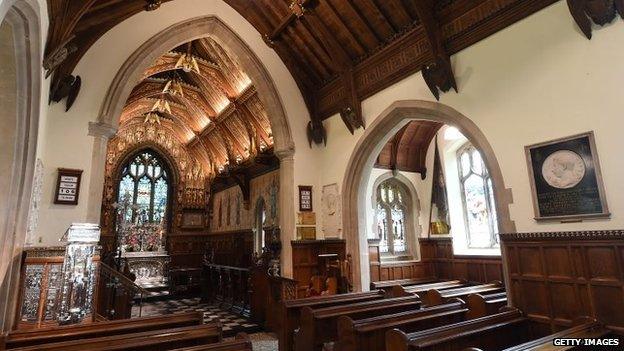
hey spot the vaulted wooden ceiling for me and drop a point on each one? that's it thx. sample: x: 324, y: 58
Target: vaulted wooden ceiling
x: 407, y: 149
x: 210, y: 104
x: 339, y: 51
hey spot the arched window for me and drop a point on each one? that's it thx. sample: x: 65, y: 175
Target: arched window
x: 391, y: 213
x: 477, y: 199
x: 144, y: 186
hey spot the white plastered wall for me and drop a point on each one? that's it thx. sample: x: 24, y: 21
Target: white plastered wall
x: 67, y: 142
x: 537, y: 80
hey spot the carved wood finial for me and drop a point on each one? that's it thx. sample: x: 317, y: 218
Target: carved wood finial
x: 67, y: 86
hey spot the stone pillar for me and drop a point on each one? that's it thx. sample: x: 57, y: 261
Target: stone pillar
x: 100, y: 132
x: 287, y: 209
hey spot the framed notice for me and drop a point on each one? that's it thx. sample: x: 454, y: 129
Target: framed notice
x: 67, y: 186
x: 566, y: 181
x: 305, y: 198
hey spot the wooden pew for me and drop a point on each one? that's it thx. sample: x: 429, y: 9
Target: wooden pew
x: 155, y: 340
x: 388, y: 284
x: 589, y: 328
x: 369, y: 334
x: 435, y: 297
x: 493, y: 332
x: 240, y: 343
x: 318, y: 326
x: 290, y: 311
x: 484, y: 305
x: 83, y: 331
x: 398, y: 290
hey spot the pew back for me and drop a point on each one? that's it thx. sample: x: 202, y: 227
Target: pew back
x: 318, y: 326
x: 116, y: 327
x: 156, y: 340
x: 368, y: 334
x: 435, y: 296
x: 290, y: 312
x: 399, y: 290
x: 240, y: 343
x: 493, y: 332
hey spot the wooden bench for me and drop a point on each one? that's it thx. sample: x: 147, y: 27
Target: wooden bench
x: 82, y: 331
x: 318, y: 326
x: 290, y: 311
x: 155, y: 340
x: 435, y: 297
x: 369, y: 334
x: 493, y: 332
x: 399, y: 290
x: 484, y: 305
x: 388, y: 284
x: 584, y: 327
x: 240, y: 343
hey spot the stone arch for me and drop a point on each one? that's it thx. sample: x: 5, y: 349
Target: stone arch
x: 177, y: 34
x: 413, y: 203
x: 20, y: 120
x: 368, y: 147
x: 143, y: 57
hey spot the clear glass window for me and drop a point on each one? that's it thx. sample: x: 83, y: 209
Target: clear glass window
x: 391, y: 216
x: 477, y: 199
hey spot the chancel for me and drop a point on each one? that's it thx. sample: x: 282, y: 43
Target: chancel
x: 311, y: 175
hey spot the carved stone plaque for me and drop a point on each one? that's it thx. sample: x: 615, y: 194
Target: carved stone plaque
x: 566, y: 180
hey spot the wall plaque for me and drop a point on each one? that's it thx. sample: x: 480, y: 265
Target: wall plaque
x: 67, y: 186
x: 306, y: 218
x: 566, y: 181
x: 305, y: 198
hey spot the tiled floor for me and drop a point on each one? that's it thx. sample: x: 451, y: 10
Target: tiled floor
x: 232, y: 323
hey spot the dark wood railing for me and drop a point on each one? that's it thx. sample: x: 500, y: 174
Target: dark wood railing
x: 227, y: 286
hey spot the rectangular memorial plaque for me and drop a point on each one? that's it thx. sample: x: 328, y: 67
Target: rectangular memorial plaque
x: 305, y: 198
x: 565, y: 177
x: 67, y: 186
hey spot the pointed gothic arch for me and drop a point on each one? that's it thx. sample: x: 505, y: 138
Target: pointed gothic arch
x: 363, y: 157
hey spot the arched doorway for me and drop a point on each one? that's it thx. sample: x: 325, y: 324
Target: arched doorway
x: 20, y: 83
x: 368, y: 147
x: 144, y: 56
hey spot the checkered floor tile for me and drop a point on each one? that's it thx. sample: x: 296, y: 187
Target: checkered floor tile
x: 232, y: 323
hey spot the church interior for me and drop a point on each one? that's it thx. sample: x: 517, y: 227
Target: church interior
x: 311, y: 175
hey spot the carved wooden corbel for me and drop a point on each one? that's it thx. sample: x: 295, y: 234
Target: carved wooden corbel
x: 599, y: 12
x: 439, y: 77
x: 316, y: 132
x: 439, y: 74
x: 68, y: 86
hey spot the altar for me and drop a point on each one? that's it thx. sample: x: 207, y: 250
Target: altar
x: 151, y: 268
x: 142, y: 253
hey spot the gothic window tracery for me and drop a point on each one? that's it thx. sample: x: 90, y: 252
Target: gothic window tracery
x: 477, y: 199
x: 391, y: 213
x: 144, y: 186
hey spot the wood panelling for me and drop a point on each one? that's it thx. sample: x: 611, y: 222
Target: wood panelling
x: 305, y: 259
x: 233, y: 248
x: 557, y: 277
x: 437, y: 261
x: 382, y: 271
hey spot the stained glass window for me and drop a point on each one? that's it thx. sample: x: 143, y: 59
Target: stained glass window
x: 477, y: 199
x: 391, y: 212
x: 144, y: 187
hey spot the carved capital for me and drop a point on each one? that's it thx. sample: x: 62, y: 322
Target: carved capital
x: 103, y: 130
